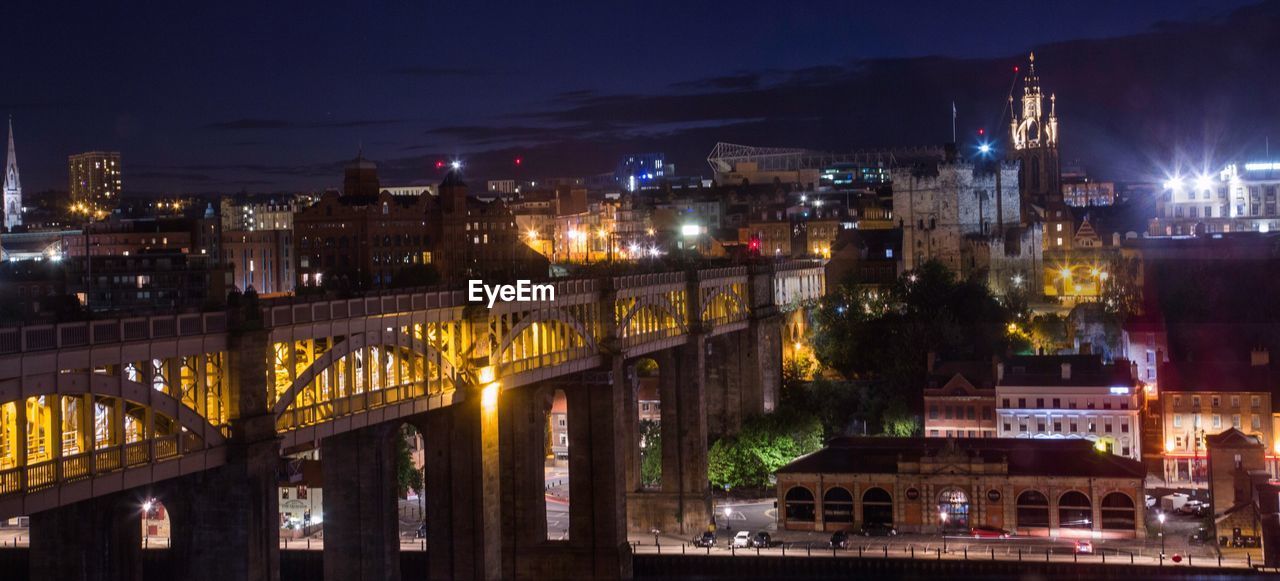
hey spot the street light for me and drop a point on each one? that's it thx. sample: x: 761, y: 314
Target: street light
x: 942, y: 517
x: 1161, y: 517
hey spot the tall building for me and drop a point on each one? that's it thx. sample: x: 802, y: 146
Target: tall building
x: 12, y: 187
x: 361, y: 178
x: 1240, y: 198
x: 95, y: 179
x: 1034, y: 134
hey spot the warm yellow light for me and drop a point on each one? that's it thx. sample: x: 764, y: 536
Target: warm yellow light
x: 533, y: 234
x: 489, y: 396
x: 1013, y: 328
x: 487, y: 374
x: 602, y: 233
x: 1065, y: 272
x: 1100, y: 445
x: 1169, y: 446
x: 798, y: 346
x: 1278, y: 446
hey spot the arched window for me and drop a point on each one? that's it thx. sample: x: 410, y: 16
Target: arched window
x: 877, y: 506
x: 799, y: 504
x: 1118, y: 512
x: 1033, y: 509
x: 1075, y: 511
x: 837, y: 505
x: 953, y: 509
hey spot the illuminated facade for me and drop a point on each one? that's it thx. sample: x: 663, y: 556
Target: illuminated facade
x: 1240, y: 198
x: 95, y: 179
x: 1034, y: 134
x: 1070, y: 397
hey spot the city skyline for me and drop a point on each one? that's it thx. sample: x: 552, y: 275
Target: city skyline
x: 284, y: 110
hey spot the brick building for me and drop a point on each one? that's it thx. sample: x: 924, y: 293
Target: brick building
x: 364, y: 238
x: 925, y: 485
x: 1202, y: 398
x: 960, y: 400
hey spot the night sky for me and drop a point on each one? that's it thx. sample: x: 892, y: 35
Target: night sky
x: 274, y: 96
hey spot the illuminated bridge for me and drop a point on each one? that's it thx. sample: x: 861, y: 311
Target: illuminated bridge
x: 198, y: 409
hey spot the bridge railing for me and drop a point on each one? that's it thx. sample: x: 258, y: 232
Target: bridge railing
x: 45, y: 337
x: 284, y: 312
x: 74, y: 467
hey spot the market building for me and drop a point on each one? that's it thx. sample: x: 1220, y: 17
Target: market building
x: 929, y: 485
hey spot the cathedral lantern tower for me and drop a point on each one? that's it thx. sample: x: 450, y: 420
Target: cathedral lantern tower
x: 12, y: 187
x: 1034, y: 134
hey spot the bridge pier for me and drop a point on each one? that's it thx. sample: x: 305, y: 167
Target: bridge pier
x: 462, y: 483
x: 99, y: 539
x: 361, y: 524
x: 226, y: 521
x: 683, y: 503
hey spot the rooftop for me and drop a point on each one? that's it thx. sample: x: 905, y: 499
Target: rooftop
x: 1025, y: 457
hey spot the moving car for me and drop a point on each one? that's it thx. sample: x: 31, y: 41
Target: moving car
x: 989, y: 532
x: 877, y: 530
x: 761, y: 539
x: 840, y: 540
x: 742, y: 540
x: 1084, y: 547
x: 706, y: 539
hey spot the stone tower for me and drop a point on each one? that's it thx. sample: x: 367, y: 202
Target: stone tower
x: 12, y: 187
x: 1034, y: 134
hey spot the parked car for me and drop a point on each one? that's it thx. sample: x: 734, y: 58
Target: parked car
x: 706, y: 539
x: 1151, y: 501
x: 761, y: 539
x: 742, y: 540
x: 1084, y: 547
x: 1191, y: 507
x: 422, y: 531
x: 877, y: 530
x: 989, y: 532
x: 840, y: 540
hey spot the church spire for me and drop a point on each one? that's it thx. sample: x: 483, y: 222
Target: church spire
x: 12, y: 186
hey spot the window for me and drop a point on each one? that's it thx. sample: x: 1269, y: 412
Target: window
x: 877, y: 506
x: 1022, y: 402
x: 1195, y: 401
x: 933, y: 433
x: 969, y: 413
x: 1217, y: 421
x: 1033, y: 509
x: 1074, y: 426
x: 1177, y: 400
x: 1057, y: 403
x: 1235, y: 401
x: 1255, y: 401
x: 1007, y: 427
x: 1118, y: 511
x: 1040, y: 425
x: 1005, y: 403
x: 1075, y: 511
x: 1107, y: 426
x: 837, y: 505
x: 1093, y: 426
x: 1124, y: 426
x: 799, y: 504
x: 1257, y: 422
x: 1039, y: 403
x: 1216, y: 401
x: 1057, y: 426
x: 1235, y: 421
x: 933, y: 412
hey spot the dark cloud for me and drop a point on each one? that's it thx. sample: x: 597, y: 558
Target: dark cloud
x: 440, y: 72
x: 284, y: 124
x: 733, y: 82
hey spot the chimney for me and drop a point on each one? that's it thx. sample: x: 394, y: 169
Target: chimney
x: 1066, y: 371
x: 1260, y: 357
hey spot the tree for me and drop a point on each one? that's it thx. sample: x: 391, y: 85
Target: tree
x: 765, y: 444
x: 407, y: 475
x: 886, y: 336
x: 650, y: 453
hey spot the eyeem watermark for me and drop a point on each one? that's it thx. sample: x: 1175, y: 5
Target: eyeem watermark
x: 522, y: 291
